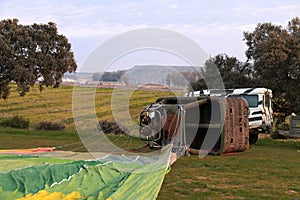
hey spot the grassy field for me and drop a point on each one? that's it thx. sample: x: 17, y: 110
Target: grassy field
x: 270, y: 169
x: 55, y: 104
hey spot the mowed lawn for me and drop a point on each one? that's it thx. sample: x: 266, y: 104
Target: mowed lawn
x: 270, y: 169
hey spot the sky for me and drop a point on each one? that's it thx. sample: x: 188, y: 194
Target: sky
x: 216, y: 25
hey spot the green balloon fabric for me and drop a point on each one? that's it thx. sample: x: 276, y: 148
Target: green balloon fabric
x: 112, y: 177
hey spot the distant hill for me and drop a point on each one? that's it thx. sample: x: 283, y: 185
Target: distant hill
x: 141, y: 74
x: 157, y: 74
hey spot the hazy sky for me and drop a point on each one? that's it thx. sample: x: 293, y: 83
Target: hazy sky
x: 216, y: 25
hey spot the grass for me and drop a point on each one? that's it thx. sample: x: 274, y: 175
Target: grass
x: 55, y: 105
x: 50, y: 105
x: 20, y: 138
x: 64, y: 140
x: 270, y: 169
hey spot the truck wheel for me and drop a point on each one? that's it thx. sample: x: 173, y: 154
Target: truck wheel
x: 253, y: 138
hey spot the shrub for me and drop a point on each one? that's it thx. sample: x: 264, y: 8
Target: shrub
x: 278, y: 134
x: 15, y: 122
x: 283, y: 126
x: 111, y: 127
x: 49, y: 126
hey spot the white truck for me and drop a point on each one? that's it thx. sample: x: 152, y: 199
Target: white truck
x: 259, y: 103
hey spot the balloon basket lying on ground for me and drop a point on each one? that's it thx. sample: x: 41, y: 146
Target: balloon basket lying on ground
x: 198, y: 125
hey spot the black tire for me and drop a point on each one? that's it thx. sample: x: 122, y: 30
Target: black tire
x: 253, y: 138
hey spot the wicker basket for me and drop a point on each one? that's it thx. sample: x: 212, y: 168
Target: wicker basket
x: 235, y: 136
x: 211, y: 124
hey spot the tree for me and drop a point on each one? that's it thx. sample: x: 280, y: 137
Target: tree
x: 275, y: 54
x: 234, y: 73
x: 30, y: 52
x: 112, y: 76
x: 96, y: 76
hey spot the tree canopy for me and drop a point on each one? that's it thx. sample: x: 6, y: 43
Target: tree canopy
x: 235, y: 74
x: 273, y: 61
x: 110, y: 76
x: 275, y: 53
x: 32, y: 52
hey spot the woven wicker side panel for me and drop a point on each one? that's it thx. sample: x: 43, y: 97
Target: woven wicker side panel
x: 236, y: 127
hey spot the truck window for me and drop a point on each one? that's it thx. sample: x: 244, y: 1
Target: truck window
x: 251, y: 99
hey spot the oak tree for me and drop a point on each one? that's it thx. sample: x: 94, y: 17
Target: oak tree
x: 32, y: 52
x: 274, y: 52
x: 234, y: 73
